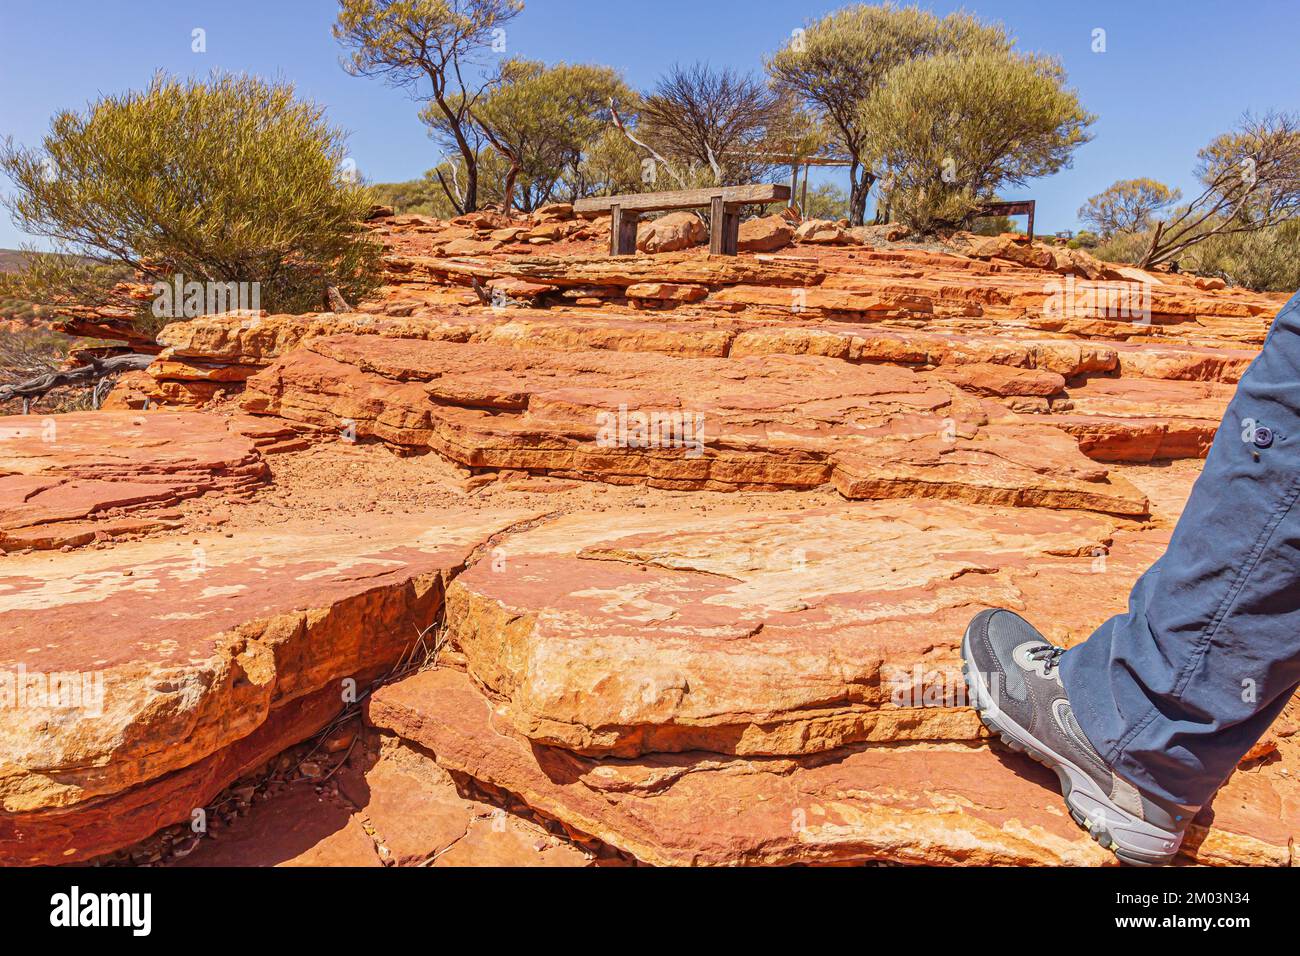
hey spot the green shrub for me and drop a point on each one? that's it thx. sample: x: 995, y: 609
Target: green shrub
x: 1267, y: 260
x: 1128, y: 205
x: 232, y: 179
x: 826, y: 201
x: 993, y: 225
x: 1123, y: 247
x: 927, y: 207
x: 422, y: 196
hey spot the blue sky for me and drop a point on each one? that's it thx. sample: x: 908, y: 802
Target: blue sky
x: 1174, y: 74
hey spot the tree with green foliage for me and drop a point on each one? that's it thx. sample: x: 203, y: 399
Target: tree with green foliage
x: 542, y: 118
x: 835, y: 64
x: 993, y: 225
x: 426, y: 197
x: 1127, y: 206
x: 611, y: 165
x: 413, y: 42
x: 826, y: 201
x: 953, y: 129
x: 226, y: 180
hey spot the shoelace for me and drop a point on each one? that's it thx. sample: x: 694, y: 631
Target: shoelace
x: 1048, y: 654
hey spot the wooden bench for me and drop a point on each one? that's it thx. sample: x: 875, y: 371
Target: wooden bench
x: 1025, y: 208
x: 723, y: 202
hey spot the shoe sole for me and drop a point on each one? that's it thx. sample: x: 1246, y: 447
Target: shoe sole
x: 1131, y: 839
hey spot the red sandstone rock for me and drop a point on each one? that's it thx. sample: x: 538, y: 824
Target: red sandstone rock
x: 1011, y: 248
x: 553, y: 212
x: 470, y: 247
x: 783, y: 421
x: 822, y: 231
x: 1002, y: 380
x: 213, y: 654
x: 751, y: 633
x: 767, y: 234
x: 403, y: 811
x: 295, y: 828
x: 547, y: 230
x: 666, y: 292
x: 671, y: 232
x: 705, y: 679
x: 1142, y: 420
x: 62, y: 477
x: 948, y: 804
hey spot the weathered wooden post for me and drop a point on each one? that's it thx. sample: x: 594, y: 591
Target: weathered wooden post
x: 724, y: 227
x: 622, y: 231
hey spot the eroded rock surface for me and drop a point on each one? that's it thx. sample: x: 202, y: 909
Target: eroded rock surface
x: 386, y: 804
x: 770, y: 633
x: 875, y: 431
x: 729, y: 637
x: 930, y: 804
x: 151, y: 674
x: 65, y: 478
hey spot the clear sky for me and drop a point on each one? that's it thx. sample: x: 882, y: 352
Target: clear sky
x: 1173, y: 75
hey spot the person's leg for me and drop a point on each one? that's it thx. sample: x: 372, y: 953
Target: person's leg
x: 1175, y: 691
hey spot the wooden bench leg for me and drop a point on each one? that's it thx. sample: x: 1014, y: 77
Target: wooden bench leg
x: 724, y: 228
x: 622, y: 231
x: 730, y: 229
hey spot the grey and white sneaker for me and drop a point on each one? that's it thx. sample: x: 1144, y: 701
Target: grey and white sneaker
x: 1015, y: 685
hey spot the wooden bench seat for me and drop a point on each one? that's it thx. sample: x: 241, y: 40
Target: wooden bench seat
x: 723, y: 202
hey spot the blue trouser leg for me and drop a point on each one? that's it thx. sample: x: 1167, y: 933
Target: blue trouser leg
x: 1175, y: 691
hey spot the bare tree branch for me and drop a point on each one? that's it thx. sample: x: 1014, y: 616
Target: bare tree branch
x: 618, y: 121
x: 1252, y: 182
x: 79, y: 375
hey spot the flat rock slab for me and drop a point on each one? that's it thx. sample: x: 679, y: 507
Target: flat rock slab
x: 924, y: 804
x: 857, y: 282
x: 419, y: 817
x: 766, y: 632
x: 169, y: 656
x: 769, y: 422
x: 64, y: 477
x: 230, y: 341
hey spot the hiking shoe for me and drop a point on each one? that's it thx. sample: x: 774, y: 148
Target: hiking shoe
x: 1015, y: 685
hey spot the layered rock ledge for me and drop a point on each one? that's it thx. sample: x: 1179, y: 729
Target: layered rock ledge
x: 66, y: 478
x: 729, y: 637
x: 776, y: 421
x: 143, y: 678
